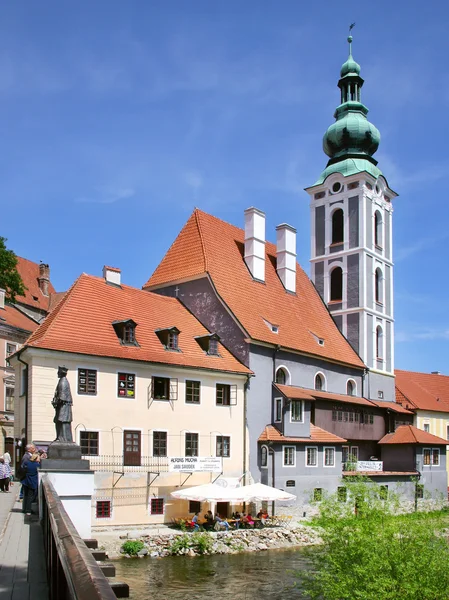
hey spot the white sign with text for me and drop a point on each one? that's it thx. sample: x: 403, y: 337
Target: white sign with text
x: 370, y: 465
x: 189, y: 464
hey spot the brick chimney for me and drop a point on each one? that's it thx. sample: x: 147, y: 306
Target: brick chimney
x: 255, y: 242
x: 112, y: 275
x: 286, y: 256
x: 44, y: 278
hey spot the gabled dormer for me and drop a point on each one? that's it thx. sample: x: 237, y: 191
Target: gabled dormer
x: 169, y: 338
x: 126, y: 332
x: 209, y: 343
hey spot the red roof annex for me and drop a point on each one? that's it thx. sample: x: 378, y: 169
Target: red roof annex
x: 409, y: 434
x: 317, y: 436
x: 424, y: 391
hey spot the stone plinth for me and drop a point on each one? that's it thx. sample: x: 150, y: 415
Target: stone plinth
x: 73, y: 481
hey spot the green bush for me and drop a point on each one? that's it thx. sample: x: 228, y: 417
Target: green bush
x: 181, y: 542
x: 202, y: 542
x: 132, y: 547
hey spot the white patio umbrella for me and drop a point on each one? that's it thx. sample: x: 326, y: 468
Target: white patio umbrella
x: 210, y: 492
x: 259, y: 492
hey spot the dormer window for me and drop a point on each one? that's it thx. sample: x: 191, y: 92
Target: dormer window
x: 126, y: 332
x: 169, y: 338
x: 209, y: 343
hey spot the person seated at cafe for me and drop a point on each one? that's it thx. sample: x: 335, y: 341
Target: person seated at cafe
x: 220, y: 523
x: 263, y: 516
x: 237, y: 517
x: 195, y: 524
x: 248, y: 520
x: 209, y: 518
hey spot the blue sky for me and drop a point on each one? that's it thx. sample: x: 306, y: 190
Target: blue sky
x: 118, y: 118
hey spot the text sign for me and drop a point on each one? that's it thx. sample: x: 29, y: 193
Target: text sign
x: 188, y: 464
x: 370, y: 465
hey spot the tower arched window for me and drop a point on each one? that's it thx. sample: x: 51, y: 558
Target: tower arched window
x: 350, y: 388
x: 264, y: 456
x: 379, y: 342
x: 336, y: 294
x: 337, y: 226
x: 378, y: 286
x: 281, y: 376
x: 378, y: 229
x: 319, y: 382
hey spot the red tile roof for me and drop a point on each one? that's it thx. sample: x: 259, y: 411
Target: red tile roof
x: 293, y: 392
x: 207, y: 245
x: 15, y: 318
x: 321, y: 395
x: 82, y: 323
x: 29, y: 272
x: 422, y: 390
x: 393, y: 406
x: 300, y: 393
x: 409, y: 434
x: 317, y: 436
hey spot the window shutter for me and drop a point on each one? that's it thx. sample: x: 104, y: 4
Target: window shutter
x: 173, y: 389
x: 233, y: 395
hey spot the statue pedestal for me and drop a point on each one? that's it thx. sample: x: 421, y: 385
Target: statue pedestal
x: 73, y: 481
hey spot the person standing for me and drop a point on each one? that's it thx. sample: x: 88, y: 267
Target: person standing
x: 7, y: 457
x: 5, y: 473
x: 20, y: 473
x: 30, y: 482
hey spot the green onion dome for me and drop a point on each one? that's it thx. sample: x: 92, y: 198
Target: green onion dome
x: 350, y: 66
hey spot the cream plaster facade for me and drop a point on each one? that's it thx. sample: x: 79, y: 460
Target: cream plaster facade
x: 436, y: 423
x: 131, y: 488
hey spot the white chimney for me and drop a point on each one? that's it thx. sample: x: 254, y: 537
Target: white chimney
x: 286, y: 256
x: 2, y: 298
x: 112, y: 275
x: 255, y: 242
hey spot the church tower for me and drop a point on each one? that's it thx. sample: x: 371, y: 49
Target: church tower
x: 351, y: 226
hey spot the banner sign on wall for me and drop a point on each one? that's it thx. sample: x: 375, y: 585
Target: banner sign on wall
x: 189, y: 464
x: 370, y: 465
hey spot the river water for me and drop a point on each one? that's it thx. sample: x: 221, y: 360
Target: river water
x: 247, y: 576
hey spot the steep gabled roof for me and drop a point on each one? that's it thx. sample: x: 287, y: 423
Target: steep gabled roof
x: 409, y: 434
x: 424, y: 391
x: 29, y: 272
x: 13, y: 317
x: 317, y: 436
x: 208, y: 246
x: 82, y: 322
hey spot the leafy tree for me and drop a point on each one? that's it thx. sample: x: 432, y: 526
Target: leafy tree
x: 10, y: 279
x: 372, y: 554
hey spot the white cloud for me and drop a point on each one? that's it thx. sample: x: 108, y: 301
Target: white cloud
x: 107, y: 195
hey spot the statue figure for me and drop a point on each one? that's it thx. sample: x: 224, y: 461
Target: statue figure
x: 62, y: 403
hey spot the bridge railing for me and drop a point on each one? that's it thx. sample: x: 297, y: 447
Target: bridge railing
x: 72, y: 571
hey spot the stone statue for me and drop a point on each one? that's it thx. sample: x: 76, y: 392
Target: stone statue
x: 62, y: 403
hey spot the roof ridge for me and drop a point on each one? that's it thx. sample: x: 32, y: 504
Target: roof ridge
x: 413, y: 433
x: 200, y: 231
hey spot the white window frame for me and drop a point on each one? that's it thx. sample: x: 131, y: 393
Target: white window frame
x: 9, y: 387
x: 431, y: 463
x: 447, y: 430
x: 125, y: 373
x: 151, y: 448
x: 301, y: 420
x: 343, y: 452
x: 90, y: 368
x: 276, y: 401
x: 288, y: 378
x: 199, y: 442
x: 104, y: 499
x: 90, y: 430
x: 6, y: 352
x: 289, y: 447
x: 185, y: 391
x: 307, y: 456
x: 426, y: 427
x: 324, y: 457
x: 230, y: 444
x: 356, y: 448
x: 350, y: 380
x: 323, y: 377
x: 262, y: 466
x: 163, y: 505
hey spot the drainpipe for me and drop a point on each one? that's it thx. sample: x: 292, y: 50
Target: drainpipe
x: 364, y: 374
x: 273, y: 473
x: 26, y: 398
x: 245, y: 410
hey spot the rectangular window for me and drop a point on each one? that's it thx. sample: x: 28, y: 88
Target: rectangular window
x: 89, y: 443
x: 356, y: 417
x: 427, y: 427
x: 226, y: 395
x: 10, y: 349
x: 223, y: 446
x: 131, y: 449
x: 419, y: 491
x: 436, y: 457
x: 296, y: 410
x: 383, y: 492
x: 191, y: 444
x: 311, y: 457
x: 329, y: 457
x: 431, y: 456
x: 126, y: 385
x: 161, y: 388
x: 9, y: 399
x: 339, y: 415
x: 157, y: 506
x: 159, y: 443
x: 354, y: 453
x: 103, y: 509
x: 447, y: 432
x: 427, y: 454
x: 87, y: 382
x: 278, y: 417
x: 194, y: 506
x: 317, y: 494
x: 193, y: 392
x: 334, y: 415
x: 289, y: 456
x: 351, y: 417
x: 342, y: 493
x: 345, y: 454
x: 172, y: 341
x: 371, y: 418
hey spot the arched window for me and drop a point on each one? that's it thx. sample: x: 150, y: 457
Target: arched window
x: 379, y: 342
x: 336, y: 285
x: 378, y: 286
x: 264, y: 456
x: 350, y: 388
x: 337, y: 227
x: 281, y: 376
x: 319, y: 382
x: 377, y: 229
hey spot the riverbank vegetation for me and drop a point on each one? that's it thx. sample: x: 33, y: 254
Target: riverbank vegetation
x: 369, y: 552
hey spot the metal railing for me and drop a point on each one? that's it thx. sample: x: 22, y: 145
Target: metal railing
x: 117, y: 463
x: 72, y: 571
